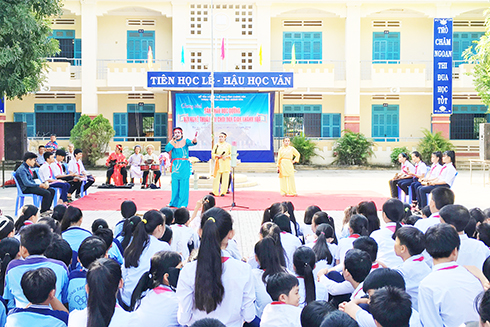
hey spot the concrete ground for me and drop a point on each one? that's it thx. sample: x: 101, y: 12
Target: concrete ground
x: 247, y: 223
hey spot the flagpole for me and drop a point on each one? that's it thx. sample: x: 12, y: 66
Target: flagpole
x: 212, y: 75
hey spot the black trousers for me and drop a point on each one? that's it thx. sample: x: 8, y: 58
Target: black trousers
x: 393, y: 186
x: 124, y: 174
x: 156, y: 174
x: 47, y: 195
x: 74, y: 185
x: 89, y: 182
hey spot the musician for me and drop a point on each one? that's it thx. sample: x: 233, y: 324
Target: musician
x: 117, y: 158
x: 222, y: 155
x: 151, y: 159
x: 181, y: 167
x: 136, y: 160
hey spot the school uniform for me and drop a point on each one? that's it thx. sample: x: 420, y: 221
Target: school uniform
x: 386, y: 243
x: 76, y: 166
x: 426, y: 223
x: 132, y: 275
x: 75, y: 295
x: 472, y: 252
x: 446, y: 175
x: 232, y: 249
x: 307, y: 233
x: 58, y: 170
x: 414, y: 270
x: 336, y: 288
x: 184, y: 239
x: 238, y: 300
x: 119, y: 228
x: 358, y: 292
x: 320, y: 291
x: 45, y: 173
x: 365, y: 319
x: 17, y: 268
x: 252, y: 262
x: 75, y: 235
x: 116, y: 252
x: 322, y: 264
x: 406, y: 168
x: 344, y: 232
x: 289, y: 243
x: 280, y: 314
x: 405, y: 184
x: 120, y: 318
x: 434, y: 171
x: 37, y: 315
x: 158, y: 308
x: 345, y: 245
x: 262, y: 298
x: 447, y: 296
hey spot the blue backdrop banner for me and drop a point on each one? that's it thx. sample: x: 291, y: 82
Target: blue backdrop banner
x: 245, y: 117
x: 443, y: 66
x: 267, y: 80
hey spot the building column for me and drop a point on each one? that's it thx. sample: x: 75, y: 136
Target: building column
x: 352, y: 68
x: 262, y: 22
x: 89, y: 57
x: 180, y: 23
x: 441, y: 123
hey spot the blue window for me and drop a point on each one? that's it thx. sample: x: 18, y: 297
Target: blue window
x: 120, y: 123
x: 461, y: 42
x: 466, y: 120
x: 385, y: 122
x: 30, y: 119
x: 70, y: 46
x: 331, y: 125
x: 57, y: 118
x: 307, y: 46
x: 138, y: 44
x: 386, y: 47
x: 278, y: 125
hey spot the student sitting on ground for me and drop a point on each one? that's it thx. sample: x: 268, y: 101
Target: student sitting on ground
x: 447, y: 294
x: 73, y: 233
x: 44, y: 309
x: 315, y: 312
x: 185, y: 239
x: 309, y: 289
x: 409, y: 245
x: 390, y: 307
x: 34, y: 240
x: 91, y: 249
x: 284, y: 311
x: 323, y: 248
x: 289, y: 242
x: 358, y: 226
x: 114, y: 247
x: 59, y: 249
x: 128, y: 210
x: 439, y: 198
x: 30, y: 215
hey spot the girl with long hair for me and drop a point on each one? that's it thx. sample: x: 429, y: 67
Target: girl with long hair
x: 368, y: 209
x: 216, y: 285
x: 272, y: 230
x: 308, y: 219
x: 309, y: 289
x: 275, y: 209
x: 144, y: 245
x: 30, y: 215
x: 358, y: 226
x: 432, y: 174
x: 159, y: 306
x: 128, y: 210
x: 323, y: 248
x: 289, y: 242
x: 204, y: 204
x: 103, y: 282
x: 9, y: 250
x: 407, y: 169
x: 348, y: 212
x: 73, y: 233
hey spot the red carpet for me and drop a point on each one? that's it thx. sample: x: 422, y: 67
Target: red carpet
x: 255, y: 200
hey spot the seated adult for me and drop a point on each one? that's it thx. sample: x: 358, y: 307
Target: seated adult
x: 445, y: 179
x: 151, y: 158
x: 117, y: 158
x: 76, y: 166
x: 406, y: 170
x: 46, y: 175
x: 60, y: 171
x: 24, y: 177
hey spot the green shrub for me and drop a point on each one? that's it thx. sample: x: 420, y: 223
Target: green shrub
x: 352, y: 149
x: 396, y: 152
x: 433, y: 142
x: 305, y: 147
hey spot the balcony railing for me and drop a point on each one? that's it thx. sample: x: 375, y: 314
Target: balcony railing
x: 367, y: 67
x: 103, y: 64
x: 75, y: 65
x: 339, y: 66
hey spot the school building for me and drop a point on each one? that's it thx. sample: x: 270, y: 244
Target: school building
x: 366, y: 66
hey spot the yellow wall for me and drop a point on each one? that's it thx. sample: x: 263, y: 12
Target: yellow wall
x: 27, y: 104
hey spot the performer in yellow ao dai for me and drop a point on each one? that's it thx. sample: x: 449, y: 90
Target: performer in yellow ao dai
x: 222, y: 154
x: 286, y: 157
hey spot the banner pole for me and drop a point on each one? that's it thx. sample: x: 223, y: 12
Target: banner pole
x: 212, y: 85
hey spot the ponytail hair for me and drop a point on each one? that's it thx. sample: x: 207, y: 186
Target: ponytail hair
x: 9, y: 248
x: 274, y: 209
x: 309, y: 212
x: 151, y: 220
x: 72, y: 215
x: 359, y: 224
x: 269, y: 259
x: 290, y: 206
x: 163, y: 262
x: 103, y: 278
x: 283, y: 222
x: 128, y: 229
x: 208, y: 202
x: 272, y: 230
x: 321, y: 249
x: 438, y: 154
x: 304, y: 263
x: 209, y: 291
x: 28, y: 212
x: 394, y: 211
x: 321, y: 217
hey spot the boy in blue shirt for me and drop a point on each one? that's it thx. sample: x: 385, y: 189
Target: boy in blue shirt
x: 91, y: 249
x: 44, y: 310
x: 34, y: 240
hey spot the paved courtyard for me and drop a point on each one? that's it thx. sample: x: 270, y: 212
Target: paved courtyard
x: 247, y: 223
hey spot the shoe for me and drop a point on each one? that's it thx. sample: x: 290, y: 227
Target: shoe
x: 222, y: 195
x: 211, y: 193
x: 77, y: 196
x: 153, y: 186
x: 46, y: 213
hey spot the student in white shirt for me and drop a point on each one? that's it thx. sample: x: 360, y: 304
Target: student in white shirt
x: 315, y: 312
x: 419, y: 173
x: 46, y: 174
x: 159, y: 306
x: 440, y: 197
x: 368, y: 209
x: 484, y: 309
x: 289, y: 242
x: 393, y: 212
x: 321, y: 217
x: 432, y: 174
x: 309, y: 289
x: 184, y: 238
x: 308, y: 219
x: 269, y: 264
x: 76, y: 167
x: 445, y: 179
x: 409, y: 245
x: 358, y: 226
x: 447, y: 294
x: 323, y: 249
x: 144, y: 245
x: 215, y: 285
x: 272, y: 230
x: 471, y: 252
x: 284, y: 311
x: 390, y: 306
x: 406, y: 170
x: 103, y: 282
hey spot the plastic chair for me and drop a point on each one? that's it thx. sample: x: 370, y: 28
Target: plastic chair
x: 402, y: 196
x: 57, y: 196
x: 19, y: 202
x: 83, y: 191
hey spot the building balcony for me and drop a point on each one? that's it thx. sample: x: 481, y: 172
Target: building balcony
x: 462, y: 77
x: 127, y: 72
x: 63, y: 72
x: 396, y: 73
x: 313, y: 74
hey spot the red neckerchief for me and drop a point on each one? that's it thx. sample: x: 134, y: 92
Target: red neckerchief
x: 375, y: 265
x: 449, y: 268
x: 224, y: 259
x: 277, y: 302
x: 50, y: 172
x: 419, y: 259
x: 354, y: 236
x: 78, y: 165
x: 162, y: 289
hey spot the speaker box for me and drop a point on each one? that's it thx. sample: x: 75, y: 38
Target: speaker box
x: 15, y: 137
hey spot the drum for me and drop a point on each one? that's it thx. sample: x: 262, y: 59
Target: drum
x: 155, y: 167
x: 145, y: 167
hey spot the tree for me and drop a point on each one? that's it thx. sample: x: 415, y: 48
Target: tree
x: 479, y: 54
x: 352, y: 149
x: 305, y: 147
x: 432, y: 142
x: 25, y: 44
x: 92, y: 137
